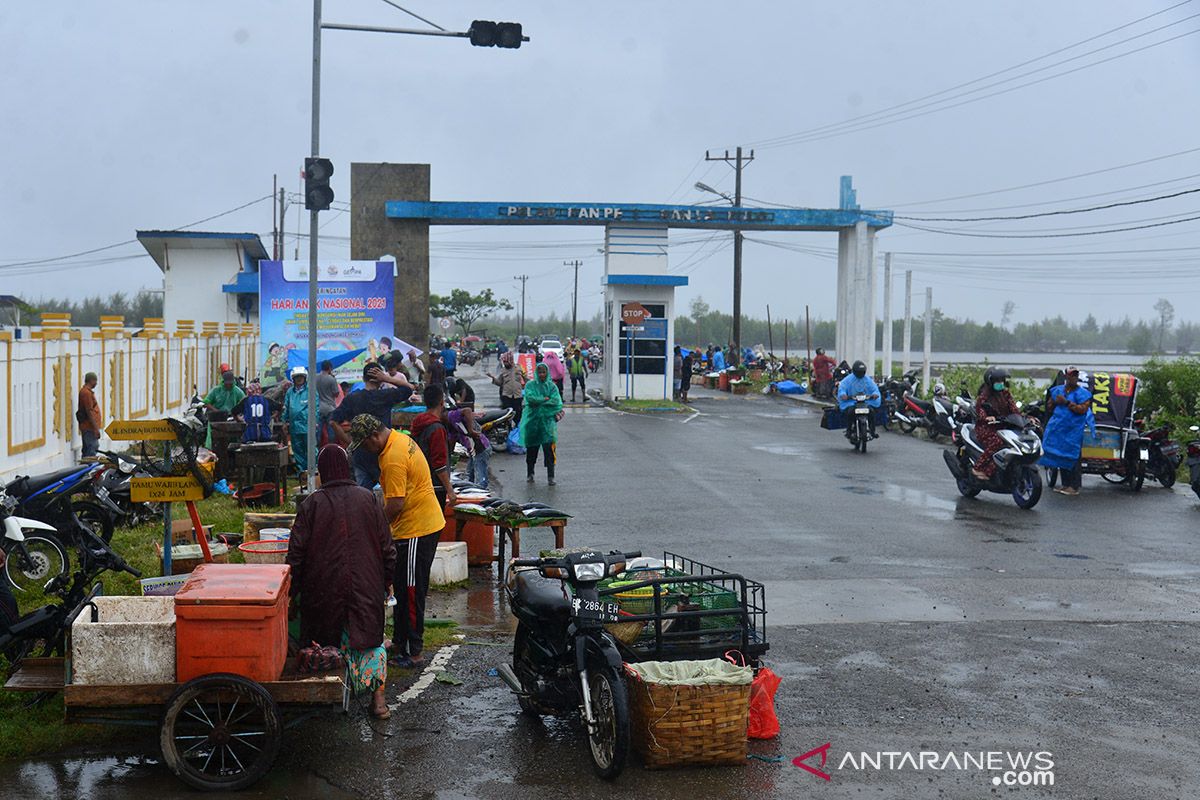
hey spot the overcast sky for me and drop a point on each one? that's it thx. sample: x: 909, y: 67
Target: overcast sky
x: 126, y: 115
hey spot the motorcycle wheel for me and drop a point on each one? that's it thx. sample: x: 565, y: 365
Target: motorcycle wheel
x: 95, y: 517
x: 1051, y: 477
x: 966, y: 489
x: 1137, y: 476
x: 1113, y: 477
x: 46, y: 560
x: 528, y: 706
x: 1165, y: 476
x: 905, y: 427
x: 610, y: 706
x: 864, y: 433
x: 932, y: 434
x: 1028, y: 489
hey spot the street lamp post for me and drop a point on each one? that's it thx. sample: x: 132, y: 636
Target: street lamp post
x: 482, y: 34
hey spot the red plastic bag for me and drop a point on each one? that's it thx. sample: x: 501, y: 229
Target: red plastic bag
x: 763, y: 723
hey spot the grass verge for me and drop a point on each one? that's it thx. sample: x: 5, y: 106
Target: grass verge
x: 649, y: 406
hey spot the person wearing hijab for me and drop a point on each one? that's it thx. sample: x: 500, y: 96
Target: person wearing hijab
x: 539, y: 425
x: 993, y: 403
x: 342, y: 559
x: 557, y: 370
x: 511, y: 383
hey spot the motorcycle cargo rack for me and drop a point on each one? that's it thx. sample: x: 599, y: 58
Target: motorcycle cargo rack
x: 690, y: 611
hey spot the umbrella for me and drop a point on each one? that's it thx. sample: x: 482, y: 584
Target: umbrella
x: 473, y: 338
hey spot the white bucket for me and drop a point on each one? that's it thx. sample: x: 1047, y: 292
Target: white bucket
x: 275, y: 534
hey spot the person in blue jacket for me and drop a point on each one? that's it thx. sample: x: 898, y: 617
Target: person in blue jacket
x: 1062, y: 444
x: 449, y: 360
x: 718, y: 360
x: 859, y: 382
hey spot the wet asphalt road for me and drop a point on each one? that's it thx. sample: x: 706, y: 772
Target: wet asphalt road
x: 902, y: 618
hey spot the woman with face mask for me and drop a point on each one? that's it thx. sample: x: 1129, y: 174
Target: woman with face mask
x: 993, y: 404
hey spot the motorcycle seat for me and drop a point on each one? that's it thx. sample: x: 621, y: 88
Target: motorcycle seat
x: 546, y: 597
x: 31, y: 484
x: 494, y: 415
x: 924, y: 405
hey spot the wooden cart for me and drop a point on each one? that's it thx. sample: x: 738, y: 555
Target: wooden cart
x: 217, y: 732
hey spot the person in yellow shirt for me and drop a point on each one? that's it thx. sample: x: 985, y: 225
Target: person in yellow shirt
x: 416, y: 519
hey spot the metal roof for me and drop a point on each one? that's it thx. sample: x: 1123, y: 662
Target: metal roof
x: 157, y: 244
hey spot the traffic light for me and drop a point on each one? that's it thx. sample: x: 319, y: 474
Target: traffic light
x: 485, y: 33
x: 317, y: 192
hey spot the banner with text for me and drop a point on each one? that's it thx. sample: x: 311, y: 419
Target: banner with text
x: 354, y: 311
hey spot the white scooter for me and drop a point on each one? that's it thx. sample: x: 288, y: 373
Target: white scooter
x: 31, y: 560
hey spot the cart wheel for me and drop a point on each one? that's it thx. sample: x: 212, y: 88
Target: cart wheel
x: 1138, y: 475
x: 1113, y: 477
x: 220, y: 732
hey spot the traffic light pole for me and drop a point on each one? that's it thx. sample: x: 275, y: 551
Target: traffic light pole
x: 314, y: 436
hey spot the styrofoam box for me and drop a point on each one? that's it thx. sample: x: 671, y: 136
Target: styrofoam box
x: 132, y: 642
x: 449, y: 564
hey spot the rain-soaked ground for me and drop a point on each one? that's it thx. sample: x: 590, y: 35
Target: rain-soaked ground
x: 903, y: 619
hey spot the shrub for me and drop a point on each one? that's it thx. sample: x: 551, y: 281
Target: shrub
x: 1170, y: 391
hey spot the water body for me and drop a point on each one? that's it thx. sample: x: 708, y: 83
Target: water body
x: 1108, y: 361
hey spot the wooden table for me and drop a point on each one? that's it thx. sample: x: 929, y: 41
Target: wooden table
x: 246, y: 459
x: 511, y: 531
x: 229, y: 432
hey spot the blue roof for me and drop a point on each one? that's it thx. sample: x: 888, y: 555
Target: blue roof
x: 645, y: 280
x: 243, y: 283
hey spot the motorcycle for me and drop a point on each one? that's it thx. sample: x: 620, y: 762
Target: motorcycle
x: 49, y: 498
x: 111, y: 488
x: 32, y: 552
x: 935, y: 416
x: 563, y: 658
x: 1193, y: 459
x: 1016, y: 464
x: 858, y: 428
x: 1165, y: 456
x: 496, y: 425
x: 43, y: 631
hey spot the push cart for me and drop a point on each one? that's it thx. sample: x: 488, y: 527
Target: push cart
x: 688, y: 610
x: 1116, y: 451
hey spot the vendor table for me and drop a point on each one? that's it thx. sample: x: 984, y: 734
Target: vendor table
x: 511, y: 531
x: 229, y: 432
x: 247, y: 459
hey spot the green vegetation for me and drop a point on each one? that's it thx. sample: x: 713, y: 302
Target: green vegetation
x: 970, y: 377
x: 465, y: 308
x: 650, y: 406
x: 1170, y: 392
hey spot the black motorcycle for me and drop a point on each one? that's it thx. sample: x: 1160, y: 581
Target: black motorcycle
x: 858, y: 426
x: 1165, y: 456
x: 42, y: 632
x: 1193, y: 459
x: 112, y: 490
x: 563, y: 658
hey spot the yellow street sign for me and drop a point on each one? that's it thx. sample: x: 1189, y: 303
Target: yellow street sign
x: 165, y: 490
x: 134, y: 430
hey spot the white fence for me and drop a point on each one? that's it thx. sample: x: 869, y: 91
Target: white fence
x: 144, y: 373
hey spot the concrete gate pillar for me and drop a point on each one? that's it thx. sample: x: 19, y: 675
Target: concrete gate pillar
x: 373, y: 235
x: 856, y: 295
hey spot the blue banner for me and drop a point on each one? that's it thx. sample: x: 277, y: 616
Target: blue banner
x: 354, y: 312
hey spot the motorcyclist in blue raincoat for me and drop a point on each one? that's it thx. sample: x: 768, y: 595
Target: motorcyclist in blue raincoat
x: 859, y: 382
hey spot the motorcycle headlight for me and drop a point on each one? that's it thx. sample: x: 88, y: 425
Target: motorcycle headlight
x: 127, y: 467
x: 590, y: 572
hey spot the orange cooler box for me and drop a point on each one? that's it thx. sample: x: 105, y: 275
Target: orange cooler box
x: 232, y: 618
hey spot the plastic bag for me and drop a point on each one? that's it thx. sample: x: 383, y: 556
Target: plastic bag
x: 763, y: 723
x: 514, y: 441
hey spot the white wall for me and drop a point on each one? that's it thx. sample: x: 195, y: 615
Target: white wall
x: 192, y: 284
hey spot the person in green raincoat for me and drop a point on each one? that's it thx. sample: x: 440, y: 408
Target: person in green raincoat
x: 539, y: 421
x: 295, y: 416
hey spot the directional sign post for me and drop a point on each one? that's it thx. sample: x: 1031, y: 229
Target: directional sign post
x: 165, y: 490
x: 633, y: 315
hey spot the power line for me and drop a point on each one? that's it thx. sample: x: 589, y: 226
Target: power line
x: 1055, y: 213
x: 1047, y: 235
x: 415, y: 16
x: 873, y: 119
x: 34, y: 262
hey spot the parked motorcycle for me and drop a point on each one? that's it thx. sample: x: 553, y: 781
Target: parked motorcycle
x: 43, y: 631
x: 563, y: 658
x: 858, y: 427
x: 33, y: 554
x: 1165, y: 456
x: 111, y: 487
x: 496, y: 425
x: 935, y: 417
x: 1193, y: 459
x: 1016, y: 464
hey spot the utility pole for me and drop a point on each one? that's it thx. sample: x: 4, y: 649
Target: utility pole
x: 275, y: 222
x: 574, y: 294
x: 521, y: 322
x: 279, y: 233
x: 887, y: 316
x: 738, y: 162
x: 928, y: 335
x: 313, y: 234
x: 907, y: 321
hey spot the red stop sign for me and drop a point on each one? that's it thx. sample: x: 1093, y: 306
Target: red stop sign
x: 634, y: 313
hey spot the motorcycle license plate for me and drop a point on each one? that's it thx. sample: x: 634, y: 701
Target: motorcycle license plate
x: 596, y: 609
x: 862, y: 411
x: 1145, y: 455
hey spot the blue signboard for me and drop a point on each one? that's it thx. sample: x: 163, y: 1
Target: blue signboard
x: 708, y: 217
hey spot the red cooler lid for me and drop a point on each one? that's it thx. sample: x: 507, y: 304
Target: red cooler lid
x: 234, y: 584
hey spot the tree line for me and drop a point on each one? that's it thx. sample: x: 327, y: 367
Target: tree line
x: 86, y: 313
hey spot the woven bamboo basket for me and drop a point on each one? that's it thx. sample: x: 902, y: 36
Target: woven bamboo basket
x: 675, y: 726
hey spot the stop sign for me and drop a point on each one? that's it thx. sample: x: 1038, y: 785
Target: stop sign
x: 634, y: 313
